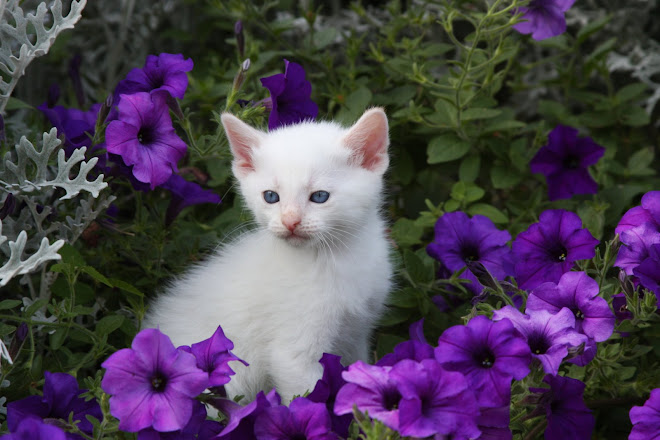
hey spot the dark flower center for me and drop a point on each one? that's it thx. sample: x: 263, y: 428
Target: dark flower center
x: 158, y: 382
x: 558, y: 253
x: 485, y: 358
x: 623, y: 308
x: 469, y: 252
x: 579, y: 314
x: 145, y: 136
x: 298, y: 436
x: 391, y: 399
x: 571, y: 162
x: 538, y: 343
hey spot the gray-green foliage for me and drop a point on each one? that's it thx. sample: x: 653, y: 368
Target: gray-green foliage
x: 19, y: 46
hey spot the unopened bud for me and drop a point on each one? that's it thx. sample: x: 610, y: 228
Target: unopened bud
x: 482, y: 274
x: 239, y: 79
x: 240, y: 39
x: 626, y: 283
x: 17, y: 340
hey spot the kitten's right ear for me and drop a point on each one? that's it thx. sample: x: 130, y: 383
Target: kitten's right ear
x: 243, y: 139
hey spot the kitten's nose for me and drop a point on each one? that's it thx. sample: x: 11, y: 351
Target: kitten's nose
x: 290, y: 221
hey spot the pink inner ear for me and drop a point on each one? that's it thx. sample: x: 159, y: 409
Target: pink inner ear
x: 369, y: 140
x: 242, y: 140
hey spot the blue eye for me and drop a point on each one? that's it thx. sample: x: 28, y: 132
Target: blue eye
x: 271, y: 197
x: 319, y: 196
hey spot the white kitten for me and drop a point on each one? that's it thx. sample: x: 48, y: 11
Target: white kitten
x: 314, y: 276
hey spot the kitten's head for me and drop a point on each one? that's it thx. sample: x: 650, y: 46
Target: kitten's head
x: 314, y: 183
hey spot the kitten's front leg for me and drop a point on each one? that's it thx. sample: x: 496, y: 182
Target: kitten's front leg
x: 295, y: 372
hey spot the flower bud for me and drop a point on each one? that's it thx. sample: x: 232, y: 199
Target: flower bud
x: 240, y: 39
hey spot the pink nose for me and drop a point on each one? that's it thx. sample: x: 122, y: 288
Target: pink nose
x: 291, y: 222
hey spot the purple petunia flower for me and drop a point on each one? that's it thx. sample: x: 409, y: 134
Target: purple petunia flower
x: 646, y: 419
x: 303, y: 419
x: 647, y: 212
x: 326, y: 390
x: 636, y: 246
x: 459, y: 238
x: 189, y: 432
x: 434, y: 401
x: 242, y: 418
x: 544, y: 18
x: 184, y: 194
x: 494, y: 423
x: 164, y: 72
x: 213, y: 356
x: 152, y: 384
x: 620, y: 306
x: 548, y: 335
x: 372, y: 389
x: 579, y: 293
x: 60, y: 398
x: 648, y: 271
x: 290, y: 97
x: 489, y: 354
x: 548, y: 249
x: 568, y: 416
x: 33, y: 428
x: 565, y: 161
x: 145, y: 138
x: 76, y: 125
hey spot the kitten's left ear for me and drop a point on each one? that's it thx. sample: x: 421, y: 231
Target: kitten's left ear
x: 243, y: 139
x: 368, y: 138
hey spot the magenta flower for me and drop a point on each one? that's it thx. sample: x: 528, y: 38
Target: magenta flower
x: 460, y: 239
x: 145, y: 138
x: 544, y: 18
x: 60, y: 398
x: 213, y: 356
x: 303, y: 419
x: 290, y: 97
x: 648, y: 212
x: 372, y: 389
x: 76, y: 125
x: 434, y: 401
x: 636, y: 246
x: 579, y: 293
x: 152, y: 384
x: 548, y: 335
x: 189, y: 432
x: 164, y: 72
x: 548, y: 249
x: 568, y: 416
x: 565, y: 160
x: 326, y: 390
x: 184, y: 194
x: 489, y: 354
x: 648, y: 271
x: 646, y: 419
x: 494, y: 423
x: 33, y: 428
x: 242, y: 418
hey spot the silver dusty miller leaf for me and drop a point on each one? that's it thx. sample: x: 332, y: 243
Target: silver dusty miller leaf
x: 17, y: 49
x: 18, y: 179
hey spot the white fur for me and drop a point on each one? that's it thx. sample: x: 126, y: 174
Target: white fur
x: 285, y: 300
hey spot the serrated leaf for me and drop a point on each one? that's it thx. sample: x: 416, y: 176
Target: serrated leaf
x: 446, y: 148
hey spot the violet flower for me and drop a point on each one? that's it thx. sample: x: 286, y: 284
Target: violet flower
x: 163, y: 72
x: 303, y: 419
x: 544, y: 18
x: 646, y: 419
x: 548, y: 249
x: 565, y: 160
x: 290, y: 97
x: 635, y: 247
x: 620, y: 306
x: 568, y: 416
x: 189, y: 432
x: 33, y: 428
x: 647, y: 212
x: 579, y: 293
x: 145, y: 138
x: 152, y: 384
x: 326, y: 390
x: 494, y: 423
x: 76, y: 125
x: 434, y: 401
x: 548, y: 335
x: 648, y: 271
x: 242, y: 418
x: 459, y: 238
x: 372, y: 389
x: 60, y: 398
x: 489, y: 354
x: 184, y: 194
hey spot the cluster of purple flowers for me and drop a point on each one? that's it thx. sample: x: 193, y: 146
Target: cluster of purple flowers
x: 140, y: 140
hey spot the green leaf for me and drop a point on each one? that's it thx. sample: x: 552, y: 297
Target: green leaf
x: 479, y: 113
x: 631, y: 91
x: 601, y: 49
x: 123, y: 285
x: 505, y: 125
x: 446, y: 148
x: 466, y: 191
x: 504, y: 177
x: 451, y: 205
x: 405, y: 232
x: 638, y: 163
x: 593, y: 219
x: 10, y: 304
x: 57, y: 338
x: 416, y: 268
x: 71, y: 256
x: 89, y: 270
x: 404, y: 298
x: 109, y: 324
x: 325, y: 37
x: 355, y: 104
x: 469, y: 169
x: 384, y: 345
x: 32, y: 309
x: 17, y: 104
x: 489, y: 211
x: 394, y: 316
x: 635, y: 116
x: 592, y: 27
